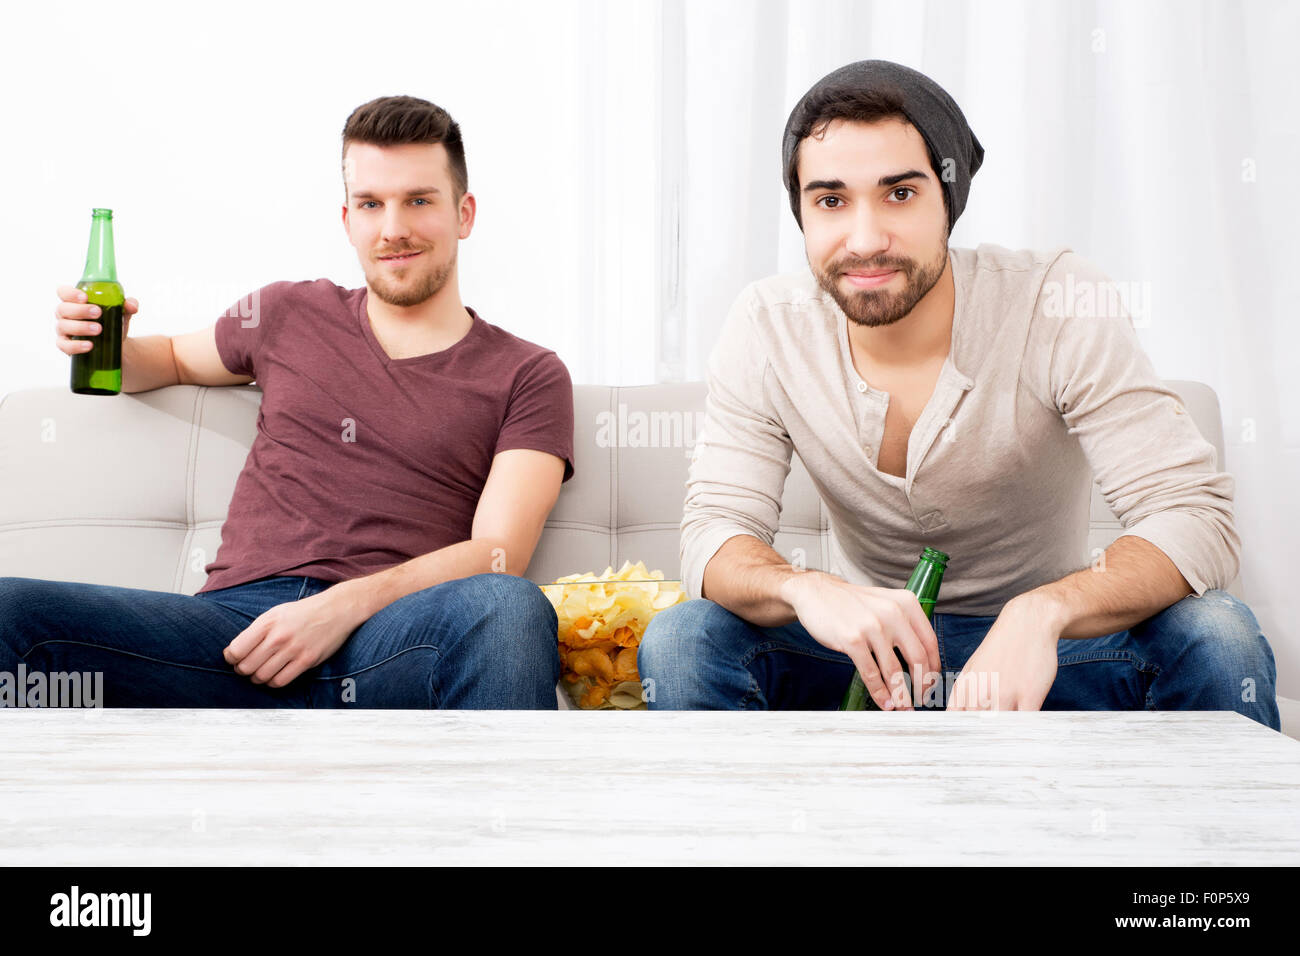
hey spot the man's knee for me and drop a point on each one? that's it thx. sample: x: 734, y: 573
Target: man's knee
x: 510, y: 598
x: 1217, y: 634
x: 683, y: 632
x: 1219, y: 625
x: 501, y: 609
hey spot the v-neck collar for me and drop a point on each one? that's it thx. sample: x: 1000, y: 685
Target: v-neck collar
x: 368, y: 333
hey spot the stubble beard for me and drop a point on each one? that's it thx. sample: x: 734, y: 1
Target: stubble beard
x: 405, y: 292
x: 876, y: 307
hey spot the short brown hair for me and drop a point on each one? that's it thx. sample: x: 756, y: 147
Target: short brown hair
x: 843, y: 102
x: 401, y: 120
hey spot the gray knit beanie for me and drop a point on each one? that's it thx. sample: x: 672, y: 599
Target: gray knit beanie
x: 955, y: 153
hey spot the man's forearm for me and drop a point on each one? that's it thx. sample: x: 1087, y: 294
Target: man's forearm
x: 148, y: 363
x: 1133, y: 581
x: 366, y: 595
x: 751, y: 581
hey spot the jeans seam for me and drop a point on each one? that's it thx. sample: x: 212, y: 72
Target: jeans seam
x: 372, y: 666
x: 1089, y: 657
x: 126, y: 653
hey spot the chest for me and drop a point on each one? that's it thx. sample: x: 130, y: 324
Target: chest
x: 348, y: 418
x: 908, y: 394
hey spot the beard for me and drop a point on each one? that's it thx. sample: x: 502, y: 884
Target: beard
x: 410, y: 290
x: 876, y: 307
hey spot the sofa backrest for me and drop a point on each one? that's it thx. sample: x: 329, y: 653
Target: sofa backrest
x: 132, y: 490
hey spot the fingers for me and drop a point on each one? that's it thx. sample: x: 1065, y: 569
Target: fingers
x: 918, y: 643
x: 273, y: 666
x: 892, y: 685
x: 922, y: 629
x: 74, y: 316
x: 870, y: 675
x: 74, y: 305
x: 911, y: 658
x: 257, y: 658
x: 261, y: 656
x: 247, y: 640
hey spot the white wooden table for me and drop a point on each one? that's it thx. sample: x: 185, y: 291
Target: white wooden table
x: 137, y: 787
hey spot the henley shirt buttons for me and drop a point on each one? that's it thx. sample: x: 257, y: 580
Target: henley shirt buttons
x: 862, y: 386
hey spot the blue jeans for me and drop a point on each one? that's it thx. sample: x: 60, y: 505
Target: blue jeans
x: 1203, y: 653
x: 482, y: 642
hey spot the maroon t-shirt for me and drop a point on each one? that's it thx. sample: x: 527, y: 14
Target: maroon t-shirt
x: 362, y: 462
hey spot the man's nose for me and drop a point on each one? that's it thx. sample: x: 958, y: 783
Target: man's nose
x: 867, y: 237
x: 394, y: 225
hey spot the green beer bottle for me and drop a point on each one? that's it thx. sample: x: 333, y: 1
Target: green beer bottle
x: 98, y: 371
x: 924, y: 583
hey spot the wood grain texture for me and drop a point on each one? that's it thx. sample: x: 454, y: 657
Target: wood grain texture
x: 135, y: 787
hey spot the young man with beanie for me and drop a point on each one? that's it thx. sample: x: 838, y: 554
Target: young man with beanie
x: 961, y: 399
x: 407, y: 455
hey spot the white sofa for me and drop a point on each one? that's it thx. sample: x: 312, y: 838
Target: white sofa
x: 132, y: 490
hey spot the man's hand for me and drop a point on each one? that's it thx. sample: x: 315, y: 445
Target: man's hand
x: 1015, y: 665
x: 867, y: 623
x: 293, y: 637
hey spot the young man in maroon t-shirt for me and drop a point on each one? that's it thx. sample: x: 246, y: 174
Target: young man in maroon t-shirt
x: 407, y: 455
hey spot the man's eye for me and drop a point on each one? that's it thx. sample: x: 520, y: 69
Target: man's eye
x: 830, y: 199
x: 425, y: 201
x: 366, y: 203
x: 904, y: 189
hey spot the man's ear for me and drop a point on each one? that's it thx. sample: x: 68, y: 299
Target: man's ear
x: 468, y: 209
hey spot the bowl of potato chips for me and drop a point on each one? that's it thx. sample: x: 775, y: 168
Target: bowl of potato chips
x: 602, y: 618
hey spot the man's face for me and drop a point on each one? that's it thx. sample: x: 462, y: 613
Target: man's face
x: 403, y: 217
x: 874, y: 224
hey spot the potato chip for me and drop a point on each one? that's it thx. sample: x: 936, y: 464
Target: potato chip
x: 602, y: 619
x: 627, y: 696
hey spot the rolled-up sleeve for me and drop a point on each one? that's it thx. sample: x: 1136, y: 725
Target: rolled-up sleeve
x: 742, y: 455
x: 1156, y: 471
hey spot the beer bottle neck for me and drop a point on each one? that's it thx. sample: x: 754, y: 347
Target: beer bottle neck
x: 101, y: 264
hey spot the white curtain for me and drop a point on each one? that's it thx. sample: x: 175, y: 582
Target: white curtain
x: 1158, y: 139
x: 214, y: 136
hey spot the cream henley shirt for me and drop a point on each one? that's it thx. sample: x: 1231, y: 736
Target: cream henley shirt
x: 1043, y: 389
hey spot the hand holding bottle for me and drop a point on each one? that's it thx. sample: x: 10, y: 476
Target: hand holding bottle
x: 75, y: 318
x: 867, y: 624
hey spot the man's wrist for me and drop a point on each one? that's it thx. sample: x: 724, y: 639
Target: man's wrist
x: 1043, y: 606
x: 795, y: 584
x: 353, y: 600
